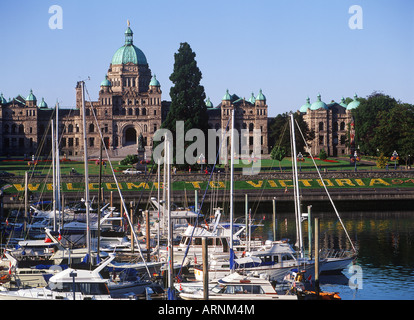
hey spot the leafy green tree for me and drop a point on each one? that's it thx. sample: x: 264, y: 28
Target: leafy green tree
x: 366, y: 120
x: 393, y: 130
x: 406, y: 141
x: 187, y: 98
x: 278, y: 153
x: 279, y: 132
x: 384, y: 124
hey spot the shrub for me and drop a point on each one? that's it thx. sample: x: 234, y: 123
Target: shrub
x: 323, y: 155
x: 129, y: 159
x: 382, y: 161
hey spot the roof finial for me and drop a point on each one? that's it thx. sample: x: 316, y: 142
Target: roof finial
x: 128, y: 23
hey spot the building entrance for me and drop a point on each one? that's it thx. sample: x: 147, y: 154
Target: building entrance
x: 130, y: 136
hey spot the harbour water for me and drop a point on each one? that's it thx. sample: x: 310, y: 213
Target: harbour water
x: 384, y: 269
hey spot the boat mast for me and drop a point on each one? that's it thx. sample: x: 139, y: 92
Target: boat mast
x: 159, y: 205
x: 170, y: 248
x: 54, y: 175
x: 58, y: 205
x: 231, y: 190
x: 85, y: 157
x: 296, y: 185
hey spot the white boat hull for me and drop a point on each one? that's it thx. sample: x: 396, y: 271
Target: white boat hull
x: 237, y: 297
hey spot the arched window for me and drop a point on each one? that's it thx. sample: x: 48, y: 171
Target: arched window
x: 70, y: 128
x: 130, y: 112
x: 6, y: 128
x: 342, y: 125
x: 137, y: 111
x: 21, y: 128
x: 251, y: 126
x: 91, y: 128
x: 144, y: 111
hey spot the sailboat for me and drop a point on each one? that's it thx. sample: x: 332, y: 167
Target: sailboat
x: 334, y: 261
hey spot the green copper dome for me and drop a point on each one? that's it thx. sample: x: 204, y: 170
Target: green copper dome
x: 43, y: 104
x: 31, y: 96
x: 129, y: 52
x: 252, y: 99
x: 106, y: 82
x: 209, y: 104
x: 154, y: 82
x: 343, y: 104
x: 227, y: 96
x: 354, y: 104
x: 2, y: 100
x: 318, y: 104
x: 306, y: 106
x: 260, y: 96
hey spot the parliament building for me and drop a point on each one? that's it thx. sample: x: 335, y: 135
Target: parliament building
x: 130, y: 106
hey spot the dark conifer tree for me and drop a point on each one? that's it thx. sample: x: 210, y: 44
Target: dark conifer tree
x: 187, y: 98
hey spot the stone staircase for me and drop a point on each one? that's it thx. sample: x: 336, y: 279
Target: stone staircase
x: 122, y: 152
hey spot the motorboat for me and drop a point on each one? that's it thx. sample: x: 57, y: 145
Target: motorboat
x: 274, y: 260
x: 239, y: 287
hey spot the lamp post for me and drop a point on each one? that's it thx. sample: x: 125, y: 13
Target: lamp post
x: 201, y: 160
x: 355, y: 158
x: 394, y: 157
x: 300, y: 159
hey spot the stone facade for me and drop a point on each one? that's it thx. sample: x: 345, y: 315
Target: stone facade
x: 22, y: 125
x: 249, y: 115
x: 333, y: 126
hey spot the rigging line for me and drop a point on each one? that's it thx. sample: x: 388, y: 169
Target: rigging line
x: 117, y: 186
x: 297, y: 210
x: 202, y: 201
x: 326, y: 189
x: 147, y: 177
x: 257, y: 201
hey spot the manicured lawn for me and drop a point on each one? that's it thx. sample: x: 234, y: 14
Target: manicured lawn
x: 18, y: 167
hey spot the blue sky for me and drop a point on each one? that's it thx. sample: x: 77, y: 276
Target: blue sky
x: 291, y: 49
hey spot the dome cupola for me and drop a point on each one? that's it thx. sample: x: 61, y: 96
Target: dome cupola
x: 154, y: 82
x: 129, y: 53
x: 106, y: 82
x: 209, y: 104
x: 354, y: 104
x: 319, y: 104
x: 306, y: 106
x: 260, y: 96
x: 31, y: 96
x: 43, y: 104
